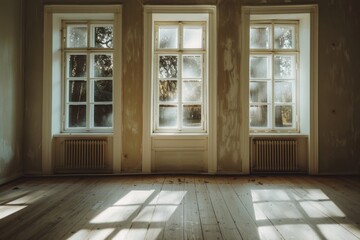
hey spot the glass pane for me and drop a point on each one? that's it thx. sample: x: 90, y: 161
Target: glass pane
x: 191, y: 91
x: 258, y: 116
x: 168, y: 66
x: 103, y: 65
x: 259, y: 37
x: 76, y: 36
x: 283, y: 116
x: 258, y: 92
x: 285, y: 66
x: 283, y: 91
x: 192, y: 37
x: 168, y: 37
x: 103, y: 115
x: 77, y: 66
x: 259, y: 67
x: 168, y: 116
x: 103, y: 36
x: 192, y: 66
x: 192, y: 115
x: 77, y: 91
x: 77, y: 116
x: 168, y: 90
x: 284, y: 37
x: 103, y: 90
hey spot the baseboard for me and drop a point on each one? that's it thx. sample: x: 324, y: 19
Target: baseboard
x: 11, y: 178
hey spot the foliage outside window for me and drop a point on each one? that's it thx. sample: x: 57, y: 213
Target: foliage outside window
x: 273, y: 76
x: 179, y: 76
x: 88, y: 75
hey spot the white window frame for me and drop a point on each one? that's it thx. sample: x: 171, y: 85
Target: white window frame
x: 180, y: 52
x: 165, y: 13
x: 52, y: 76
x: 89, y: 79
x: 272, y: 52
x: 308, y: 16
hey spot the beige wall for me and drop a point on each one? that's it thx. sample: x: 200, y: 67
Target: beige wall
x: 339, y: 122
x: 11, y: 90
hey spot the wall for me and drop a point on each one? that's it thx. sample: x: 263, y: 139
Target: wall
x: 339, y: 83
x: 339, y: 122
x: 11, y: 90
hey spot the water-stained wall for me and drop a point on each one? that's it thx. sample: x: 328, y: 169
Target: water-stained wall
x: 339, y: 86
x: 339, y: 118
x: 11, y: 90
x: 229, y: 110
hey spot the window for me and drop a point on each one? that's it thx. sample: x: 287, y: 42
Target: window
x: 273, y: 75
x: 179, y: 80
x: 88, y: 75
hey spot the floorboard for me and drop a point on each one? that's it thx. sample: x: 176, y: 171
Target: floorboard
x: 181, y: 207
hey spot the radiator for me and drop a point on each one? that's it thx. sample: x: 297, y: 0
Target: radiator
x: 82, y: 154
x: 274, y: 155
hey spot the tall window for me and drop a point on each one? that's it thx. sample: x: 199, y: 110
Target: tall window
x: 179, y: 76
x: 274, y: 54
x: 88, y: 76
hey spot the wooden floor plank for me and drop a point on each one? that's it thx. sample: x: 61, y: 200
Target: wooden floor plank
x: 226, y: 223
x: 181, y: 207
x: 192, y: 223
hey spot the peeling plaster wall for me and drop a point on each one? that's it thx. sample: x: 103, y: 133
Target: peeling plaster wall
x: 339, y: 101
x: 11, y: 90
x: 229, y: 111
x: 339, y: 85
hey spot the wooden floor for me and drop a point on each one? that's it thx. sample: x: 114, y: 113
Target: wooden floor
x: 181, y: 207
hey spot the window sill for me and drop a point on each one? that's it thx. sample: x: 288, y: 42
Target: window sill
x: 89, y: 134
x: 179, y: 135
x: 277, y: 134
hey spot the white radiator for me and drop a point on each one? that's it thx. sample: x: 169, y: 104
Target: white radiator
x: 82, y: 154
x: 275, y: 155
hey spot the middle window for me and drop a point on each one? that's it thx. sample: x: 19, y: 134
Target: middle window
x: 180, y: 74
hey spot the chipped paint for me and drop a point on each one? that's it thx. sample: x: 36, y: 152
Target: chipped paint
x: 228, y: 91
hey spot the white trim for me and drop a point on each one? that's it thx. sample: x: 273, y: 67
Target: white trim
x: 149, y: 11
x: 49, y: 127
x: 313, y: 131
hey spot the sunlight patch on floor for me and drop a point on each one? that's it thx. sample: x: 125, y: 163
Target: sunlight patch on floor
x: 8, y: 210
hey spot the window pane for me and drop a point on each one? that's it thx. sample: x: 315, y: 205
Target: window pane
x: 192, y: 66
x: 191, y: 91
x: 77, y: 91
x: 284, y: 37
x: 77, y: 66
x: 192, y: 37
x: 258, y: 92
x: 283, y: 116
x: 168, y: 66
x: 103, y: 90
x: 76, y: 36
x: 259, y: 37
x: 103, y: 115
x: 192, y: 115
x: 258, y: 116
x: 259, y: 67
x: 168, y: 116
x: 285, y: 66
x: 283, y: 91
x: 103, y: 36
x: 103, y: 65
x: 168, y: 37
x: 77, y: 116
x: 168, y: 90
